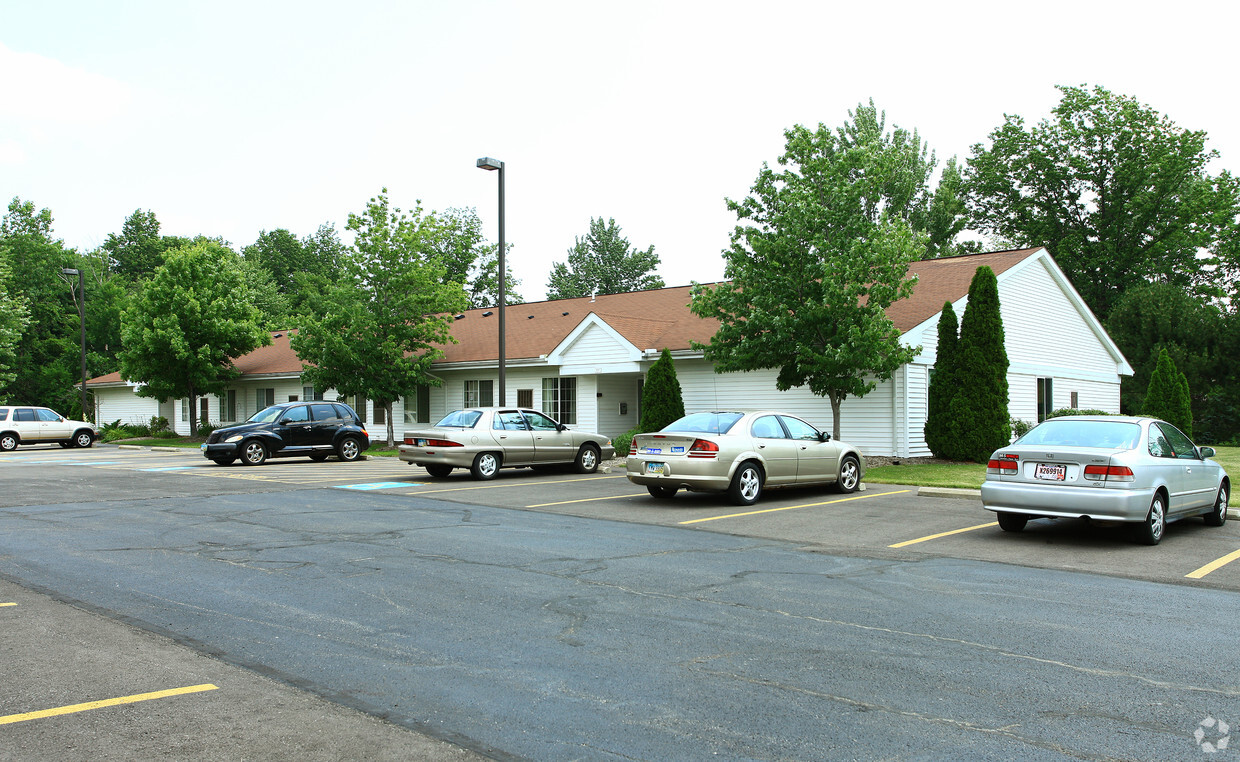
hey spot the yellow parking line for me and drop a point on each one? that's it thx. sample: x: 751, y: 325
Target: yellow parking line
x: 585, y: 500
x: 8, y: 604
x: 106, y: 702
x: 513, y: 484
x: 943, y: 534
x: 793, y: 507
x: 1213, y: 565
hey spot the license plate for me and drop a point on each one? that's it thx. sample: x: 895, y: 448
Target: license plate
x: 204, y: 446
x: 419, y: 443
x: 1051, y: 472
x: 658, y: 469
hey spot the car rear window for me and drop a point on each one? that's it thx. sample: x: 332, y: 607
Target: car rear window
x: 705, y: 423
x: 324, y: 412
x: 462, y: 419
x: 1112, y: 435
x: 4, y: 414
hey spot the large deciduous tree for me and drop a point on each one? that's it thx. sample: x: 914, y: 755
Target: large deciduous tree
x: 191, y: 318
x: 1118, y: 192
x: 468, y: 258
x: 138, y: 249
x: 821, y: 249
x: 603, y: 262
x: 14, y: 315
x: 374, y: 332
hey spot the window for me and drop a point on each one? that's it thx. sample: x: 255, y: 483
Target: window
x: 325, y: 412
x: 296, y: 414
x: 540, y: 422
x: 1174, y: 445
x: 509, y: 420
x: 4, y: 413
x: 308, y: 393
x: 202, y: 410
x: 264, y: 398
x: 799, y: 429
x: 480, y: 393
x: 767, y: 427
x: 418, y: 407
x: 24, y: 414
x: 559, y: 399
x: 228, y: 406
x: 380, y: 414
x: 525, y: 398
x: 1076, y: 402
x: 1046, y: 399
x: 358, y: 403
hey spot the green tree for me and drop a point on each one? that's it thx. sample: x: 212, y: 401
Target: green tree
x: 191, y: 318
x: 979, y: 410
x: 941, y: 430
x: 662, y: 400
x: 821, y: 249
x: 138, y: 249
x: 375, y: 332
x: 1167, y: 395
x: 284, y: 256
x: 1118, y: 192
x: 456, y: 238
x: 603, y: 263
x: 46, y: 354
x: 14, y: 315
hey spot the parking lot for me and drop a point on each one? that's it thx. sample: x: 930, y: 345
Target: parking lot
x: 166, y: 693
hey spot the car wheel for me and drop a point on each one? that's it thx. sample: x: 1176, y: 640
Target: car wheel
x: 486, y: 466
x: 1012, y: 522
x: 438, y: 471
x: 587, y: 460
x: 349, y: 449
x: 1151, y: 530
x: 83, y: 439
x: 850, y: 475
x: 223, y: 461
x: 253, y: 453
x: 1218, y: 516
x: 663, y: 493
x: 8, y: 442
x: 318, y: 457
x: 746, y: 486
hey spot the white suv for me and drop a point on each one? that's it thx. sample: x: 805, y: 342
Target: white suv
x: 34, y: 425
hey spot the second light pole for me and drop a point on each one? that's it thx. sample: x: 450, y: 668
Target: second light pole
x: 492, y: 165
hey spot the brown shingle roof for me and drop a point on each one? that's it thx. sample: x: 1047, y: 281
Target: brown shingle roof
x: 647, y: 319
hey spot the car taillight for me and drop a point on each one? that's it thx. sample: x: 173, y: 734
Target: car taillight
x: 703, y: 448
x: 1109, y: 473
x: 1004, y: 465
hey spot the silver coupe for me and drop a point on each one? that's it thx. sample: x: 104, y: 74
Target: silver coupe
x: 741, y: 453
x: 486, y: 439
x: 1109, y: 468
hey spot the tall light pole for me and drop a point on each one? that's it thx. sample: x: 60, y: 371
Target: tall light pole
x: 492, y: 165
x: 81, y: 305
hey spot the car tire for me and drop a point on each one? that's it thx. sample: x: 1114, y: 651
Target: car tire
x: 253, y: 452
x: 1218, y: 516
x: 1012, y: 522
x: 661, y: 492
x: 349, y: 449
x: 486, y: 466
x: 437, y: 470
x: 586, y: 461
x: 8, y: 442
x: 1150, y: 531
x: 318, y: 457
x: 223, y: 461
x: 850, y: 475
x: 83, y: 439
x: 746, y: 486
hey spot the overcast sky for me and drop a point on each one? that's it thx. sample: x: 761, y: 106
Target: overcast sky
x: 229, y: 118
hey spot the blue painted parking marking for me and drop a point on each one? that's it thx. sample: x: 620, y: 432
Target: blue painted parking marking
x: 379, y: 485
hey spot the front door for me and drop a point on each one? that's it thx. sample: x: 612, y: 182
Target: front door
x: 294, y: 427
x: 817, y: 460
x: 550, y: 444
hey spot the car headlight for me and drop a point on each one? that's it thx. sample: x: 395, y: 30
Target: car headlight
x: 234, y: 438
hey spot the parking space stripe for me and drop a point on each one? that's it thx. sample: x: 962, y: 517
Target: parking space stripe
x: 943, y: 534
x: 587, y: 500
x: 1214, y: 565
x: 794, y: 507
x: 515, y: 484
x: 8, y: 604
x: 105, y: 703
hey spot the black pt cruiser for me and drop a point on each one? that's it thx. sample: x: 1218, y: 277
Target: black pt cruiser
x: 314, y: 429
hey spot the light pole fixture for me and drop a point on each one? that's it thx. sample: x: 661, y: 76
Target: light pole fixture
x: 491, y: 165
x: 81, y: 305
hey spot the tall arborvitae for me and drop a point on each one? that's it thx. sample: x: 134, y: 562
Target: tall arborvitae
x: 662, y: 401
x: 1167, y: 396
x: 980, y: 409
x: 940, y: 431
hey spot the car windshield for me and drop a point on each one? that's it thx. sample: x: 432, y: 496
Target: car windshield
x: 463, y: 419
x: 1067, y: 432
x: 266, y: 415
x: 705, y: 423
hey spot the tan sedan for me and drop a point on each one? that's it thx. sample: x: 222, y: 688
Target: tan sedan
x: 741, y: 453
x: 486, y: 439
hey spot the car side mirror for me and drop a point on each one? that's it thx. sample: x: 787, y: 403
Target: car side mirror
x: 1206, y: 452
x: 561, y: 427
x: 824, y: 436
